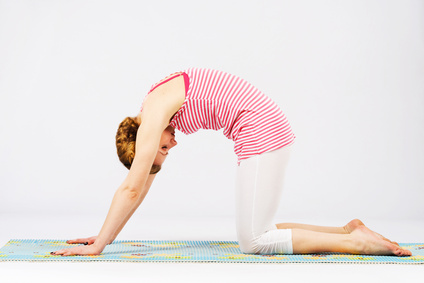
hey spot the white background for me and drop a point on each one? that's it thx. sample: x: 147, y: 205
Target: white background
x: 348, y: 75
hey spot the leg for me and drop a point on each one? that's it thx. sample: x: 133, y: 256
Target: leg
x: 258, y: 192
x: 324, y: 229
x: 347, y: 229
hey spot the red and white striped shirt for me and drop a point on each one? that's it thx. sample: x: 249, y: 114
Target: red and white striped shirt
x: 218, y: 100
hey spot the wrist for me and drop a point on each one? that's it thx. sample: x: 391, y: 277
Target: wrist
x: 99, y: 246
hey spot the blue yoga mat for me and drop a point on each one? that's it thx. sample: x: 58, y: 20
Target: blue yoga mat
x: 188, y: 251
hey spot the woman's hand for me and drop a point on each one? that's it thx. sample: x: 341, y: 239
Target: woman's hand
x: 85, y: 241
x: 79, y: 250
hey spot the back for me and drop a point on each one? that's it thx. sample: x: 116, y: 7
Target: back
x: 218, y: 100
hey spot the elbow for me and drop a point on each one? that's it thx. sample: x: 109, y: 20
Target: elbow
x: 131, y: 193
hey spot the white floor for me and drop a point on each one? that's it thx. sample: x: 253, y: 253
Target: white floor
x: 187, y: 228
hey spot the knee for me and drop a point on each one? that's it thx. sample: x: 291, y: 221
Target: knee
x: 277, y: 241
x: 248, y: 245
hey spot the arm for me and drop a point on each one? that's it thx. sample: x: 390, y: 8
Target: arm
x: 124, y: 204
x: 158, y: 109
x: 157, y: 112
x: 91, y: 240
x: 149, y: 182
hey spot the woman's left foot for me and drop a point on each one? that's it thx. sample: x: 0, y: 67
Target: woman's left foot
x: 368, y: 242
x: 355, y: 223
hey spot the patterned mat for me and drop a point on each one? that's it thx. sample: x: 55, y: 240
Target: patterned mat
x: 187, y: 251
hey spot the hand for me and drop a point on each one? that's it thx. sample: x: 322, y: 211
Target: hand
x: 85, y: 241
x: 79, y: 250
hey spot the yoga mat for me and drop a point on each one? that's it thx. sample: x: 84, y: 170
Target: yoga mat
x: 188, y: 251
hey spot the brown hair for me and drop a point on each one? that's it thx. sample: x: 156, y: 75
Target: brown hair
x: 125, y: 143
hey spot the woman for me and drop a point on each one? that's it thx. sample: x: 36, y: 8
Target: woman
x: 209, y: 99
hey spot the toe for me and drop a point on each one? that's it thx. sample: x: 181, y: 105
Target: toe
x: 402, y: 252
x: 398, y: 252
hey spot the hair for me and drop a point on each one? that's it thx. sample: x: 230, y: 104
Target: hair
x: 125, y: 143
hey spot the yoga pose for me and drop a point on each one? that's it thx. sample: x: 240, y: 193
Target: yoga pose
x: 209, y: 99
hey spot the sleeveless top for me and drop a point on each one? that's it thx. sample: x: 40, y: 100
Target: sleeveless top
x: 218, y: 100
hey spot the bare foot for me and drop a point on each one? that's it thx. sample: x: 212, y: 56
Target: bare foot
x: 367, y: 242
x: 355, y: 223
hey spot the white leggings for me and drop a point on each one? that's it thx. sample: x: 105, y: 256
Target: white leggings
x: 258, y: 192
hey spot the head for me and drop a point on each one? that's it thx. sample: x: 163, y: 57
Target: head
x: 126, y: 139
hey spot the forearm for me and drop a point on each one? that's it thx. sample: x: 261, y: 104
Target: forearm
x: 123, y: 203
x: 140, y: 200
x: 147, y: 186
x: 135, y: 186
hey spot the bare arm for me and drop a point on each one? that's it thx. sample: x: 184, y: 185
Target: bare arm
x: 134, y: 188
x: 125, y: 202
x: 149, y: 182
x: 91, y: 240
x: 160, y: 106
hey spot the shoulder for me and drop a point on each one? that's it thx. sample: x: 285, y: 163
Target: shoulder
x: 166, y: 97
x: 166, y: 81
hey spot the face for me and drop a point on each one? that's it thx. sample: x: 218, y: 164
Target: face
x: 167, y: 141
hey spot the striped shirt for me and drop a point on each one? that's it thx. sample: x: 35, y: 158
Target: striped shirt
x: 218, y: 100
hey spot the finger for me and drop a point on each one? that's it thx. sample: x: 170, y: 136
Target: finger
x: 80, y: 241
x: 59, y: 252
x: 65, y: 252
x: 76, y: 241
x: 55, y: 253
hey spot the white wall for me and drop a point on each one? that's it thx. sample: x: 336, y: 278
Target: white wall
x: 348, y: 75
